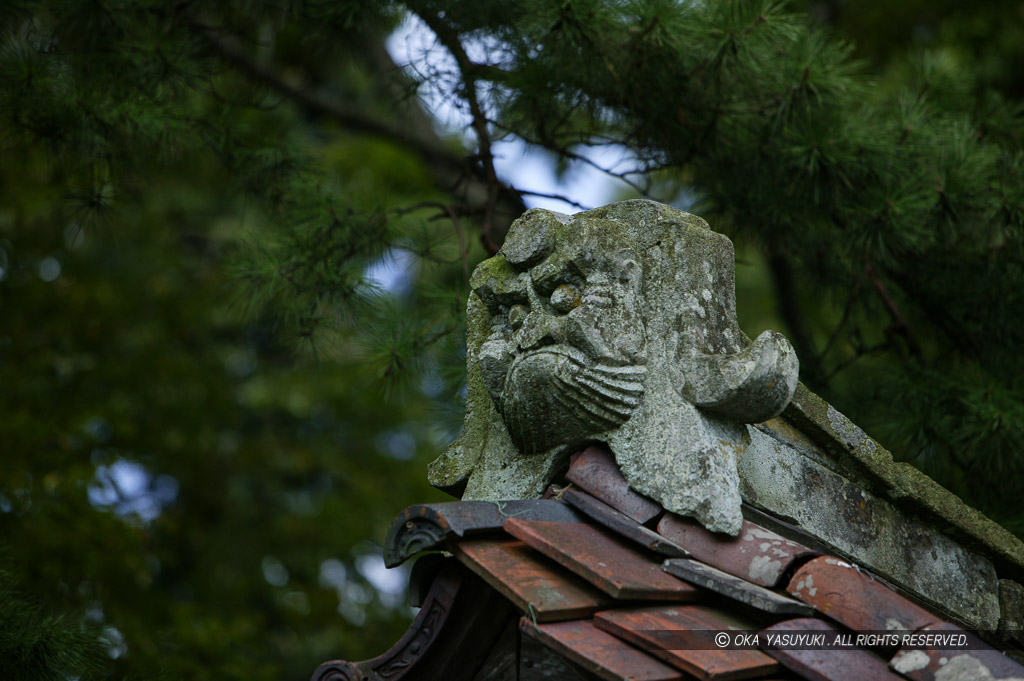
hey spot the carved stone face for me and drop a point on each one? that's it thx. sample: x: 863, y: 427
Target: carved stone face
x: 565, y: 357
x: 617, y: 325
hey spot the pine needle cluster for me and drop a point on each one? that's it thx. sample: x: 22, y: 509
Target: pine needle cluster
x: 874, y: 191
x: 41, y: 647
x: 889, y: 208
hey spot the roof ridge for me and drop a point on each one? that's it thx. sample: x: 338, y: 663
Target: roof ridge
x: 899, y: 482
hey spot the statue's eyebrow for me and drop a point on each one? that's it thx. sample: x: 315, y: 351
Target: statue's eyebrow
x: 559, y: 268
x: 502, y: 287
x: 512, y: 297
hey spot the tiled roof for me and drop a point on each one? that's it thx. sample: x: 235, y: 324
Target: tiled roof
x: 609, y: 581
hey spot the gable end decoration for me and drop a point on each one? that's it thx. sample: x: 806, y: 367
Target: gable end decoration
x: 616, y: 325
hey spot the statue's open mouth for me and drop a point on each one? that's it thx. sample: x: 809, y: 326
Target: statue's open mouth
x: 556, y: 395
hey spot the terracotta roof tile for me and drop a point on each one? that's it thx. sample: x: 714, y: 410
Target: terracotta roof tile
x: 657, y: 629
x: 594, y: 470
x: 598, y: 652
x: 757, y: 555
x: 429, y: 526
x: 621, y: 524
x: 531, y: 581
x: 606, y: 562
x: 980, y: 662
x: 576, y: 577
x: 828, y: 665
x: 733, y: 587
x: 854, y: 598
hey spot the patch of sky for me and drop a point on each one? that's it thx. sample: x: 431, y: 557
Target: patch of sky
x: 241, y: 363
x: 527, y: 168
x: 297, y: 601
x: 357, y: 592
x: 302, y: 503
x: 390, y: 584
x: 584, y: 183
x: 393, y: 272
x: 354, y: 613
x: 415, y: 47
x: 399, y: 444
x: 274, y: 571
x: 333, y: 574
x: 352, y: 596
x: 431, y: 383
x: 113, y: 639
x: 49, y: 269
x: 99, y: 429
x: 129, y: 489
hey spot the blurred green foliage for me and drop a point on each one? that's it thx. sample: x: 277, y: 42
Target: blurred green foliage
x: 163, y: 454
x: 210, y: 412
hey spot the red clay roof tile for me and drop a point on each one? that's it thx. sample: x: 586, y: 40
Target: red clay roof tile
x: 661, y: 631
x: 550, y: 575
x: 621, y: 524
x: 428, y: 526
x: 732, y: 587
x: 606, y: 562
x: 756, y: 555
x: 594, y: 470
x: 854, y: 598
x: 599, y: 652
x: 531, y: 581
x: 827, y: 665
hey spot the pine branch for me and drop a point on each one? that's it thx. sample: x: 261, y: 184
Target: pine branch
x: 899, y: 321
x: 793, y: 316
x: 452, y: 213
x: 847, y: 310
x: 960, y: 339
x: 231, y: 49
x: 557, y: 197
x: 451, y: 172
x: 565, y: 152
x: 450, y: 39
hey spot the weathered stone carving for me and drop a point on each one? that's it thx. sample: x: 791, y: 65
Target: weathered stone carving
x: 616, y: 325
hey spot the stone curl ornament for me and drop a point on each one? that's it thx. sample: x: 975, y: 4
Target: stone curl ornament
x: 616, y: 325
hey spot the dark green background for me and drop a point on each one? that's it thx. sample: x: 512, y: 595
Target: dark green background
x: 185, y: 232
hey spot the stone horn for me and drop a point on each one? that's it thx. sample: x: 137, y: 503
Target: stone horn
x: 750, y: 386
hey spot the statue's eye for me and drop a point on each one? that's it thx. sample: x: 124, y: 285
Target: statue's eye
x: 517, y: 315
x: 565, y: 298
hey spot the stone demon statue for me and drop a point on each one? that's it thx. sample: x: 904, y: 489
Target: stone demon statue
x: 617, y: 325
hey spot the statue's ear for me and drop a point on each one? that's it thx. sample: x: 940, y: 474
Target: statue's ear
x: 450, y: 471
x: 484, y: 462
x: 492, y: 284
x: 750, y: 386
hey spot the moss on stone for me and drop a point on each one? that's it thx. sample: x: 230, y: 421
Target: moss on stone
x: 901, y: 483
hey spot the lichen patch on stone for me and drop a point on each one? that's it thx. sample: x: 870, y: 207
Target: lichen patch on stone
x: 615, y: 325
x: 967, y: 667
x: 763, y: 568
x: 910, y: 661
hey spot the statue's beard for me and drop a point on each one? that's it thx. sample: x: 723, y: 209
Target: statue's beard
x: 557, y: 395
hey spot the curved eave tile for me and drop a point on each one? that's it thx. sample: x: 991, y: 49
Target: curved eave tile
x: 854, y: 598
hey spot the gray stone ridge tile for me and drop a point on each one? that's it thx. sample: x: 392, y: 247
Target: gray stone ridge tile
x: 842, y: 446
x: 870, y: 530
